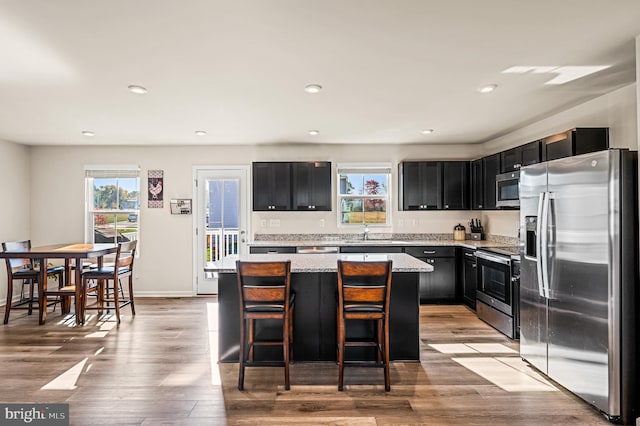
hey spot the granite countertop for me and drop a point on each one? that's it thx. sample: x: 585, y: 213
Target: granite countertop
x: 379, y: 242
x: 328, y: 262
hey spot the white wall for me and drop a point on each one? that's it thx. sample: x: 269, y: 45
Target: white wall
x: 15, y: 187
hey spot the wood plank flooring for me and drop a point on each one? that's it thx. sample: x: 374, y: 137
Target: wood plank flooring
x: 157, y: 368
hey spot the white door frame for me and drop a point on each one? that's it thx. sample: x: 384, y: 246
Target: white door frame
x: 198, y: 216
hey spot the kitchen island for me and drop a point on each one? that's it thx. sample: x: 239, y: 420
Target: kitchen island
x: 314, y: 280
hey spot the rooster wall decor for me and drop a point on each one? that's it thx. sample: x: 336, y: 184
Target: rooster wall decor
x: 155, y: 188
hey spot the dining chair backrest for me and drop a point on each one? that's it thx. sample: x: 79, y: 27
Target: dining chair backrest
x: 126, y: 255
x: 264, y: 284
x: 18, y: 246
x: 364, y: 285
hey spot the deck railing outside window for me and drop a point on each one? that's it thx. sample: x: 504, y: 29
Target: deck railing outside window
x: 221, y: 243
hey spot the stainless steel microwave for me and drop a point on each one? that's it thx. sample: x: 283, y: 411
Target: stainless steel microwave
x: 507, y: 192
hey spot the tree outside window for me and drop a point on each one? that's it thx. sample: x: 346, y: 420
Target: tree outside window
x: 363, y: 196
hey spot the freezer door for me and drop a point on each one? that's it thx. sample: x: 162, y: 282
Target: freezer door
x: 578, y: 315
x: 533, y: 304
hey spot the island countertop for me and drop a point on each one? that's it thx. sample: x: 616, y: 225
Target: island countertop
x: 327, y: 262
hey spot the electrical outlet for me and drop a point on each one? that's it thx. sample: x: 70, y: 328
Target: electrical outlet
x: 414, y: 222
x: 263, y: 223
x: 321, y: 223
x: 274, y: 223
x: 401, y: 223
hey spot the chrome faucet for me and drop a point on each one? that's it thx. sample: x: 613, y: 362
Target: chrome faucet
x: 365, y: 235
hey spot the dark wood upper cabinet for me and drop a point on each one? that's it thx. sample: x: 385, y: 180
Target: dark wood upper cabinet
x: 299, y: 186
x: 524, y: 155
x: 575, y: 142
x: 477, y: 184
x: 455, y: 185
x: 271, y: 186
x: 420, y: 185
x: 434, y: 185
x: 490, y: 168
x: 311, y: 186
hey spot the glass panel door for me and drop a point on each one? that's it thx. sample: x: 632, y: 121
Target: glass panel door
x: 221, y: 229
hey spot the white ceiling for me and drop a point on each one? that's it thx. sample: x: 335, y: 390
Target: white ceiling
x: 237, y: 68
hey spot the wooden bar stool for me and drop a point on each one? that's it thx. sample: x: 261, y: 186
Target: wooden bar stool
x: 364, y: 290
x: 24, y: 271
x: 265, y: 294
x: 112, y: 274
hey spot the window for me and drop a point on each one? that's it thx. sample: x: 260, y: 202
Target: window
x: 112, y: 203
x: 364, y: 194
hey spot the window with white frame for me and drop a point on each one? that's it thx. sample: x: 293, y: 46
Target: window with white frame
x: 364, y: 194
x: 112, y: 203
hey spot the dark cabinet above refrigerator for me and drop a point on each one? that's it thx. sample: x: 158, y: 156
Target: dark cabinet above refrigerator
x: 576, y: 141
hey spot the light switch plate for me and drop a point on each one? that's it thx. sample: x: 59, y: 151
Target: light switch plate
x: 274, y: 223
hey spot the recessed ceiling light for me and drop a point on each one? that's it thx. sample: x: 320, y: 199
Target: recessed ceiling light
x: 312, y: 88
x: 200, y: 132
x: 139, y: 90
x: 88, y: 133
x: 427, y: 131
x: 487, y: 88
x: 314, y: 132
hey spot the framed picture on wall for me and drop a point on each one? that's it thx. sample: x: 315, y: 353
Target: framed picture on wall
x: 155, y: 189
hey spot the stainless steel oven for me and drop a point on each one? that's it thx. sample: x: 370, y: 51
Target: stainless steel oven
x: 498, y: 289
x: 507, y: 190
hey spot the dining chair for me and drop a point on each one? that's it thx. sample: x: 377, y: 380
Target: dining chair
x: 23, y: 269
x: 264, y: 290
x: 364, y: 290
x: 106, y: 282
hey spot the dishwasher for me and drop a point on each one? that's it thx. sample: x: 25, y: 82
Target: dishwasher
x: 317, y: 250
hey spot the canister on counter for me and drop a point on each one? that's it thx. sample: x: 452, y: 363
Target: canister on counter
x: 459, y: 232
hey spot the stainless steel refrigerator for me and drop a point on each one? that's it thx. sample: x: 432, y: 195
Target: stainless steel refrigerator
x: 579, y: 276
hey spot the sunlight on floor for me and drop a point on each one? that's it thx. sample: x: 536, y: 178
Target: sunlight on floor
x: 509, y: 373
x: 472, y: 348
x: 68, y: 379
x: 212, y: 327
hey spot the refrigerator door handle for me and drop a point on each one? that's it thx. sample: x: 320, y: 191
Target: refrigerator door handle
x: 545, y: 244
x: 539, y: 245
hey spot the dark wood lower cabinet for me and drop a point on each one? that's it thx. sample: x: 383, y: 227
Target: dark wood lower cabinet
x: 440, y: 285
x: 469, y: 277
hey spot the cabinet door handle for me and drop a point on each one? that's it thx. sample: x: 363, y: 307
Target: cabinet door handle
x: 429, y: 252
x: 469, y: 254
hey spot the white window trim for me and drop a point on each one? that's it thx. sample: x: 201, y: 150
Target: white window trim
x: 374, y: 168
x: 127, y: 170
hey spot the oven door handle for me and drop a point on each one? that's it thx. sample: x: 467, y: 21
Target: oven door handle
x: 492, y: 258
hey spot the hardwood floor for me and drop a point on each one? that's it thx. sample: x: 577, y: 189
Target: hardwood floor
x: 156, y: 369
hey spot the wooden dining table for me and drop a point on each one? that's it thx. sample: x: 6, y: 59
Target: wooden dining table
x: 77, y: 251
